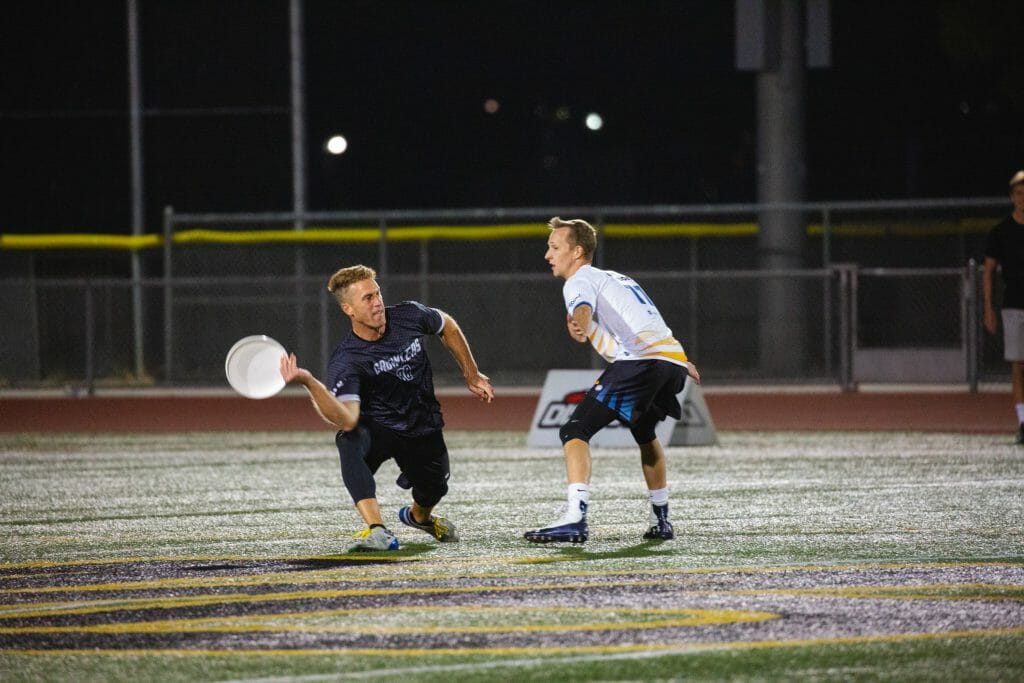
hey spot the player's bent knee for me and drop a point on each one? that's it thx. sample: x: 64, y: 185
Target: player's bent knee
x: 353, y: 444
x: 353, y: 447
x: 643, y: 435
x: 575, y: 429
x: 430, y: 496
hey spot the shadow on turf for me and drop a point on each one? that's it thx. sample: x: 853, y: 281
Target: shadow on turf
x: 580, y: 552
x: 358, y: 558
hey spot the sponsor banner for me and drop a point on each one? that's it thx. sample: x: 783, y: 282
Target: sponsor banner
x: 564, y: 389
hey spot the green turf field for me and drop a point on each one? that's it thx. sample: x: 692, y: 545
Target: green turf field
x: 798, y: 556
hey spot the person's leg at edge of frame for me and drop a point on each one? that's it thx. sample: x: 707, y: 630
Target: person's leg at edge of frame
x: 1013, y: 352
x: 1017, y: 379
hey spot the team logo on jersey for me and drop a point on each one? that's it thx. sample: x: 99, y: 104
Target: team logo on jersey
x: 399, y: 363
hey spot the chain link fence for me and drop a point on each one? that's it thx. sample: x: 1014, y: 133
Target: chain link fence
x: 884, y: 284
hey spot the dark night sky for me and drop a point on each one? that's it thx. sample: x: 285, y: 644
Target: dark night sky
x: 924, y: 99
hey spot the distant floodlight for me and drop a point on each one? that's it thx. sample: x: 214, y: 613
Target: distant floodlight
x: 337, y: 144
x: 594, y: 121
x: 491, y: 105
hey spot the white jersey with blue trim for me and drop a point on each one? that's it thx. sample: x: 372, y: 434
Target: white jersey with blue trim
x: 626, y: 325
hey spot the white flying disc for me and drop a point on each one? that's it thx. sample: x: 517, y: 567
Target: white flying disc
x: 253, y: 366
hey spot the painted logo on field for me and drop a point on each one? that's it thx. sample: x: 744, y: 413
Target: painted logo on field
x: 564, y: 390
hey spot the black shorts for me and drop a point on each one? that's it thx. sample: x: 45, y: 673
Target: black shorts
x: 640, y: 388
x: 423, y: 460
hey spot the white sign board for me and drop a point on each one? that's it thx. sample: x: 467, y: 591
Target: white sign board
x: 564, y: 389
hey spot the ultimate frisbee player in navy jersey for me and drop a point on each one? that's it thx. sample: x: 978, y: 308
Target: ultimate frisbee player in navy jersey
x: 380, y: 395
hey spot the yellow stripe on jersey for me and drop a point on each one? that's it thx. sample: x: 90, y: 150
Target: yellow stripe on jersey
x: 667, y: 341
x: 668, y: 348
x: 678, y: 356
x: 602, y: 342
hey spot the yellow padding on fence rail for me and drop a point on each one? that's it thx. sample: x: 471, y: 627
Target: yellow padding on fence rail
x: 320, y: 235
x: 397, y: 234
x: 77, y: 241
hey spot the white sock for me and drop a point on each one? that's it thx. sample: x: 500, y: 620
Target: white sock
x: 658, y: 496
x: 1020, y: 412
x: 578, y: 493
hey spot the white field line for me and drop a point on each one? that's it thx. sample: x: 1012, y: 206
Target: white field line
x: 474, y: 666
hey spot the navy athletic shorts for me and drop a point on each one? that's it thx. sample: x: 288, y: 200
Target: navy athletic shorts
x: 635, y: 388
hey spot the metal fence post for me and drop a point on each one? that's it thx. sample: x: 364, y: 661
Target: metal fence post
x: 970, y: 324
x: 382, y: 255
x: 847, y: 323
x: 324, y: 338
x: 826, y: 238
x: 168, y: 296
x: 90, y: 341
x: 693, y: 333
x: 424, y: 271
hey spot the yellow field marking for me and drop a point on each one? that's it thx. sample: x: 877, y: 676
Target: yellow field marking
x: 46, y: 609
x: 667, y: 648
x: 316, y: 576
x: 344, y: 573
x: 289, y: 578
x: 284, y: 622
x: 928, y: 591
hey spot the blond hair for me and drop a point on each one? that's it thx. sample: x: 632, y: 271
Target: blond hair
x: 581, y: 234
x: 1017, y: 179
x: 346, y: 277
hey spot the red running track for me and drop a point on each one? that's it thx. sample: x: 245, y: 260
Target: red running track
x: 955, y: 411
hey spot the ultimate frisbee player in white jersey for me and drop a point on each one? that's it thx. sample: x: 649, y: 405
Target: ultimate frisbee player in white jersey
x: 648, y: 369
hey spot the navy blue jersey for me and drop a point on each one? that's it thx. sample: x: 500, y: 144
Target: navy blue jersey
x: 1006, y: 245
x: 391, y: 377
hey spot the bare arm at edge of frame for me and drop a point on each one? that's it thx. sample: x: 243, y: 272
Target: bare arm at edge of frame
x: 987, y: 280
x: 454, y: 340
x: 342, y: 414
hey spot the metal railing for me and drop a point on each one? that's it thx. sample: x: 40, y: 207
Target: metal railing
x: 710, y: 311
x: 705, y: 266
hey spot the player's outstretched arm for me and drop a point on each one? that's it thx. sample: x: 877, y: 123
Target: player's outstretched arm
x: 344, y: 416
x: 455, y: 341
